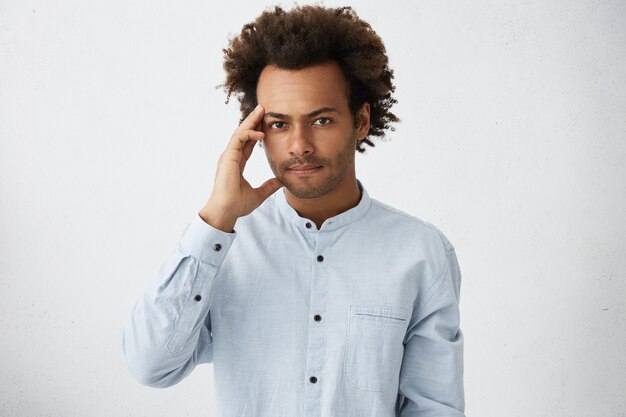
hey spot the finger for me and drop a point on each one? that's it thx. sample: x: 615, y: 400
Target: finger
x: 247, y: 151
x: 268, y: 188
x: 240, y: 138
x: 253, y: 119
x: 259, y: 127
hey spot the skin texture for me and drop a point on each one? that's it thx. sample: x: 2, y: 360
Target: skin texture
x: 308, y: 122
x: 232, y: 196
x: 303, y: 118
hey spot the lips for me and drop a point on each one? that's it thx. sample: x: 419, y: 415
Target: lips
x: 304, y: 170
x: 304, y: 167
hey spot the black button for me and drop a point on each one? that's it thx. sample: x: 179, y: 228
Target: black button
x: 313, y: 379
x: 317, y: 317
x: 320, y: 258
x: 217, y: 247
x: 308, y: 225
x: 198, y: 297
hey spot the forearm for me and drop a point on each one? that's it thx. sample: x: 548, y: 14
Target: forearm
x: 166, y: 334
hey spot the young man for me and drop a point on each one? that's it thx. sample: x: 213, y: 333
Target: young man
x: 309, y: 297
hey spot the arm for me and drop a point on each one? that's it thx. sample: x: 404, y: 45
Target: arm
x: 169, y: 332
x: 431, y: 377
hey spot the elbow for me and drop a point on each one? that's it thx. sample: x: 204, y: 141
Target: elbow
x: 151, y: 379
x: 147, y: 375
x: 147, y: 369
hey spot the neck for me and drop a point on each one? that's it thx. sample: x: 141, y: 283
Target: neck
x: 342, y: 198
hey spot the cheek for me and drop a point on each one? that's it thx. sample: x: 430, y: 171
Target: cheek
x: 269, y: 147
x: 271, y: 158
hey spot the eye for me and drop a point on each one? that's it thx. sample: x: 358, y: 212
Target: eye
x: 276, y: 125
x: 322, y: 121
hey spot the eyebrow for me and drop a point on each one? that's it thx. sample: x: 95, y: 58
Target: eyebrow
x: 311, y: 114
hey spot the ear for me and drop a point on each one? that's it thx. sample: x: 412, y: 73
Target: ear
x: 363, y: 117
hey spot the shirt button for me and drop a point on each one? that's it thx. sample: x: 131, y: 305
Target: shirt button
x: 198, y: 297
x: 217, y: 247
x: 320, y: 258
x: 313, y: 379
x: 308, y: 225
x: 317, y: 317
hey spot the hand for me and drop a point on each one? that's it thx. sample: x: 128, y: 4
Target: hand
x: 232, y: 196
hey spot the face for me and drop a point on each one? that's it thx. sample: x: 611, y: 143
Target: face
x: 310, y: 134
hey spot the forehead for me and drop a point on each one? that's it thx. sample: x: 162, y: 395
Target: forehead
x: 300, y: 91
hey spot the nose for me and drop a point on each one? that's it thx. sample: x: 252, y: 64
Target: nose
x: 300, y: 141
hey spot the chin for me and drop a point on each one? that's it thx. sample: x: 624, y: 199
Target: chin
x: 303, y: 192
x: 306, y: 191
x: 306, y: 194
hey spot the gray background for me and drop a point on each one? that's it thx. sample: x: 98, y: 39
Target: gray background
x: 512, y: 142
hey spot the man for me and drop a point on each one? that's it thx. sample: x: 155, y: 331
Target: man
x: 309, y: 297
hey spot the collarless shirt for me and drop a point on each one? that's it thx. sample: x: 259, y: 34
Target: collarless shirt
x: 359, y: 318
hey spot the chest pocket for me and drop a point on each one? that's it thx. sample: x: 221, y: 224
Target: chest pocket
x: 374, y: 346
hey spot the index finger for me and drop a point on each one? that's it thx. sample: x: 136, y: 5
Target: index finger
x: 253, y: 119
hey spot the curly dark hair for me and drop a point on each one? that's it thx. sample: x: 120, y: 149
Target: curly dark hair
x: 309, y: 35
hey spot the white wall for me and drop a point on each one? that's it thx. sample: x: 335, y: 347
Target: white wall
x: 512, y: 142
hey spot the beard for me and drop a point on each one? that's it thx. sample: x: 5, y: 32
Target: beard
x: 333, y: 171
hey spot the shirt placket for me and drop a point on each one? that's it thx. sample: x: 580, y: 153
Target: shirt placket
x: 316, y: 340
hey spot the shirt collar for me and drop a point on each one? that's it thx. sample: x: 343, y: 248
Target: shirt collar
x: 329, y: 224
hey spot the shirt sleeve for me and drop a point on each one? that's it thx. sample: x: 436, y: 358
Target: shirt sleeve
x: 169, y: 329
x: 431, y: 376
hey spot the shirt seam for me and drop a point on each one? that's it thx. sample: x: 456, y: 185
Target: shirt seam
x: 443, y: 269
x: 183, y: 309
x: 447, y: 247
x: 446, y: 244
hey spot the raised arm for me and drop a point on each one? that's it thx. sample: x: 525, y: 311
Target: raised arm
x: 169, y: 329
x: 232, y: 195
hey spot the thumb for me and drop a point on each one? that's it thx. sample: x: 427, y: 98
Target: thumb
x: 268, y: 188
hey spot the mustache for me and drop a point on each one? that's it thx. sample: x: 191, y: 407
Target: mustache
x: 302, y: 161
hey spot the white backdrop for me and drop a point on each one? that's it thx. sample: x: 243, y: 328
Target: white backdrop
x: 512, y: 142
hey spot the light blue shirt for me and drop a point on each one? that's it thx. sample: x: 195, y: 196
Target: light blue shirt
x: 359, y: 318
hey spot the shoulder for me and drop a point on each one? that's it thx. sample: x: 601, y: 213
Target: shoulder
x: 424, y: 242
x: 410, y: 229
